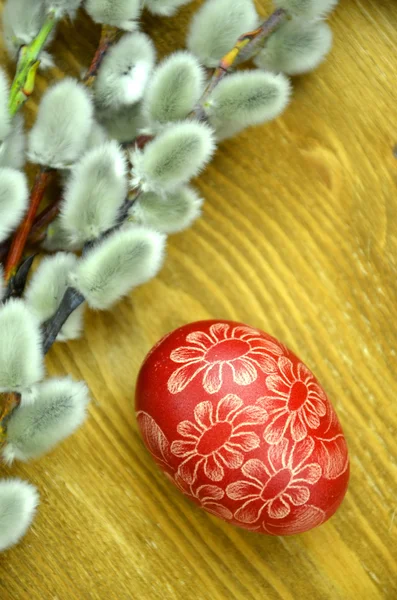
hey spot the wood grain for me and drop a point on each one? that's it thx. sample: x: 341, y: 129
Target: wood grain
x: 299, y: 238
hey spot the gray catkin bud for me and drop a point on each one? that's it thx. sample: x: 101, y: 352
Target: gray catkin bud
x: 13, y: 148
x: 58, y: 410
x: 96, y: 190
x: 296, y: 47
x: 121, y: 262
x: 63, y: 124
x: 5, y: 119
x: 170, y: 214
x: 18, y: 502
x: 179, y: 153
x: 165, y: 8
x: 46, y: 290
x: 14, y: 196
x: 248, y: 98
x: 124, y: 124
x: 125, y: 71
x: 123, y: 14
x: 216, y: 27
x: 62, y: 8
x: 22, y: 20
x: 21, y: 354
x: 308, y: 9
x: 174, y: 89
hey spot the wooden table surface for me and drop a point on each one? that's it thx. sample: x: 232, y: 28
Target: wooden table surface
x: 299, y: 238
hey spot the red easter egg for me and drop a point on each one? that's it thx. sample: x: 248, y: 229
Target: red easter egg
x: 242, y: 427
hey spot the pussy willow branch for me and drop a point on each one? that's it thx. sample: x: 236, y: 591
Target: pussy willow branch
x: 109, y: 35
x: 245, y: 48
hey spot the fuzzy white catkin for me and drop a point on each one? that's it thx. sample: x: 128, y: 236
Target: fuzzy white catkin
x: 179, y: 153
x: 123, y: 14
x: 125, y: 71
x: 62, y: 7
x: 124, y: 124
x: 13, y: 149
x: 97, y: 188
x: 2, y: 284
x: 59, y: 409
x: 63, y: 124
x: 175, y: 88
x: 22, y: 20
x: 121, y: 262
x: 14, y: 196
x: 296, y: 47
x: 308, y: 9
x: 216, y: 27
x: 5, y: 119
x: 248, y: 98
x: 171, y: 214
x: 46, y: 290
x: 18, y: 502
x: 165, y: 8
x: 97, y: 136
x: 21, y: 354
x: 58, y: 239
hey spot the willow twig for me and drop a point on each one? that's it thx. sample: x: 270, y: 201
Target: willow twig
x: 45, y: 218
x: 246, y: 47
x: 21, y: 235
x: 8, y: 403
x: 109, y: 35
x: 20, y: 91
x: 28, y: 62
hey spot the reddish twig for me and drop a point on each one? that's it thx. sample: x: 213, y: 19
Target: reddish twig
x: 45, y: 218
x: 245, y: 48
x: 109, y: 35
x: 38, y: 231
x: 9, y: 402
x: 21, y: 235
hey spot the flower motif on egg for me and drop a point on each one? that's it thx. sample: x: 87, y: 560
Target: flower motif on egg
x: 217, y: 438
x: 208, y: 497
x: 296, y: 402
x: 277, y: 487
x: 246, y: 350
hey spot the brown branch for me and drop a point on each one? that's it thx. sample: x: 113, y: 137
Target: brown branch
x: 109, y: 35
x: 38, y: 231
x: 8, y: 403
x: 45, y: 218
x: 246, y: 47
x: 21, y: 235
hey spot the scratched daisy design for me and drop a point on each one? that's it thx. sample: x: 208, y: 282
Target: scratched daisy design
x: 297, y: 402
x: 217, y: 438
x: 248, y: 353
x: 277, y: 487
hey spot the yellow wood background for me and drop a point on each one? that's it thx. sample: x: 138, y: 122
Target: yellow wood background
x: 298, y: 237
